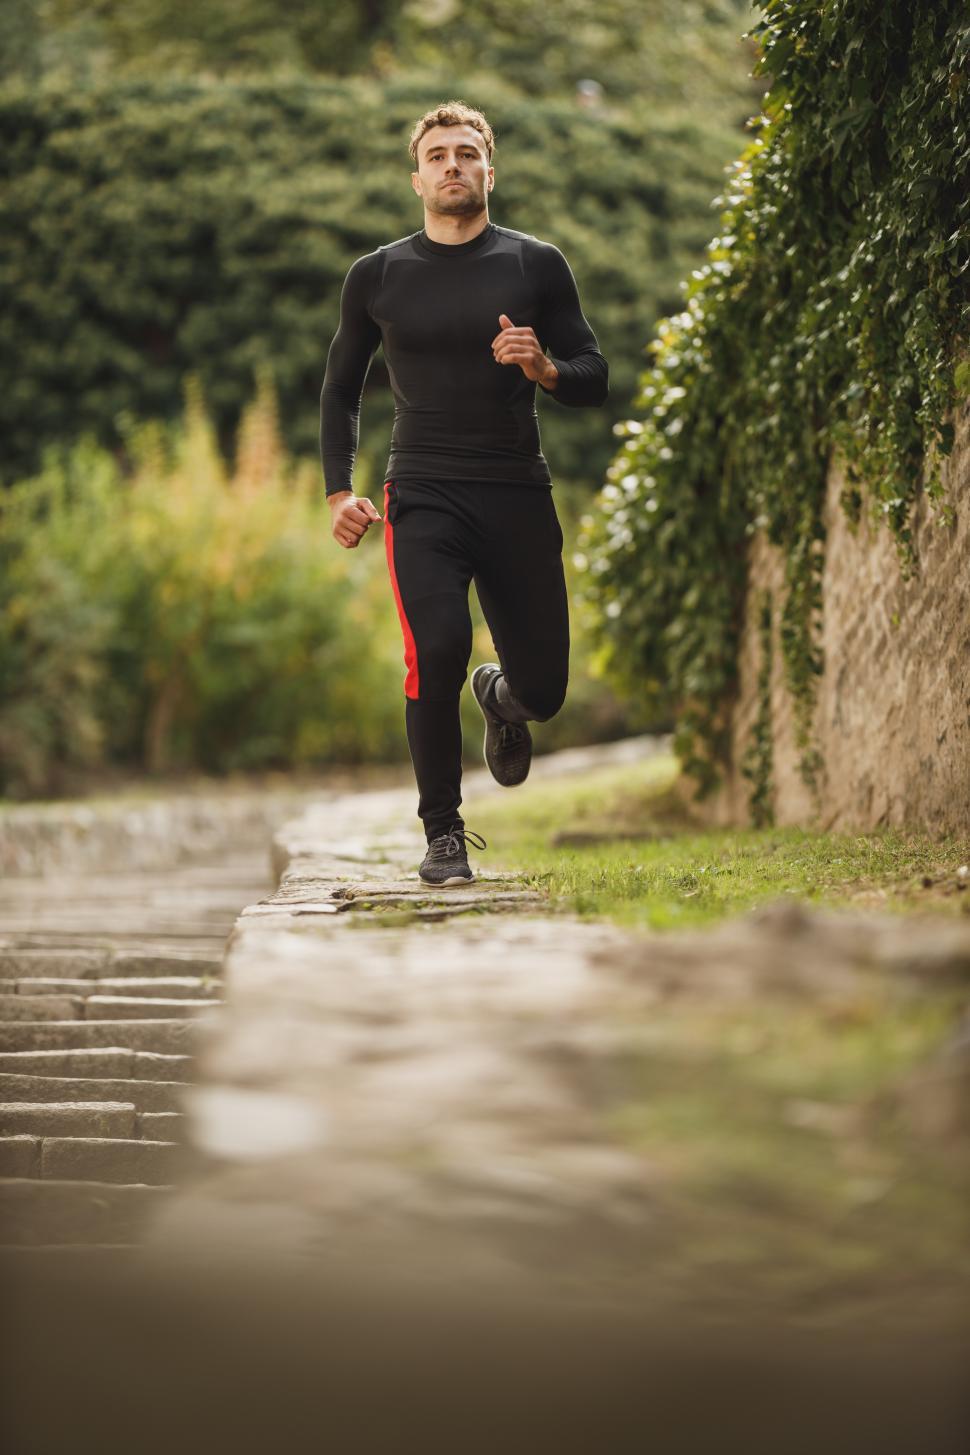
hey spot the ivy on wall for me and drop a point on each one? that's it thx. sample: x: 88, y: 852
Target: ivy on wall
x: 826, y: 318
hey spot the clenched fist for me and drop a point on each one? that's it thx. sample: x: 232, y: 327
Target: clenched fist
x: 520, y: 346
x: 352, y: 516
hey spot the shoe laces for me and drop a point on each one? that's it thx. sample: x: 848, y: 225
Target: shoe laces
x: 510, y: 734
x: 452, y: 842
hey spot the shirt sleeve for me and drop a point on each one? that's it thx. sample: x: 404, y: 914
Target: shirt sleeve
x: 348, y: 361
x: 566, y: 334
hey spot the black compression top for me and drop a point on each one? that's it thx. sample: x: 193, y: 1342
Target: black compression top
x: 435, y: 308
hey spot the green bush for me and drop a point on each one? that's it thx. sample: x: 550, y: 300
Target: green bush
x: 828, y: 316
x: 181, y: 615
x: 185, y: 616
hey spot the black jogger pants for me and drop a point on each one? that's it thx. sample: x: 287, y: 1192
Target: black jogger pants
x: 440, y: 536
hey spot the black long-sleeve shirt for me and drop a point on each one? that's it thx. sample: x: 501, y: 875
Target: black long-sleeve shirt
x: 458, y: 414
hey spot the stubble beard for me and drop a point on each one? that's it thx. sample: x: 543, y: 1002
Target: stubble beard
x: 457, y: 202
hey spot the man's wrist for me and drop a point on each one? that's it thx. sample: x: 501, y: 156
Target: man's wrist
x: 333, y: 495
x: 550, y: 377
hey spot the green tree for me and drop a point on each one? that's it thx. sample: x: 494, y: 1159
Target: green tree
x: 677, y: 51
x: 152, y: 228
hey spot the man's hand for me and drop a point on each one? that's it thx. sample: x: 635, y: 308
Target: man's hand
x: 352, y: 515
x: 520, y: 346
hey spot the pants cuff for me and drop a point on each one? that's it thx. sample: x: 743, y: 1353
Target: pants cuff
x: 509, y: 706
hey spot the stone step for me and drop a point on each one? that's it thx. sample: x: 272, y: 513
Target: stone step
x: 93, y: 962
x: 68, y: 1119
x: 94, y: 1159
x: 129, y: 962
x: 177, y: 987
x: 145, y: 1096
x: 20, y: 1156
x: 96, y: 1006
x: 88, y: 1119
x: 74, y: 1212
x: 18, y: 963
x: 40, y: 1008
x: 131, y: 1007
x: 208, y: 931
x: 162, y: 1126
x: 98, y: 1061
x: 168, y: 1036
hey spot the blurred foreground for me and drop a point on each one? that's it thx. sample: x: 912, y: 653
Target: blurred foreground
x: 97, y: 1358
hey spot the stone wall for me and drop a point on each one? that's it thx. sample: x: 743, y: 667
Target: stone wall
x: 892, y: 720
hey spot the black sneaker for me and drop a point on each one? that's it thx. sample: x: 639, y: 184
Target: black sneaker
x: 508, y: 745
x: 446, y: 861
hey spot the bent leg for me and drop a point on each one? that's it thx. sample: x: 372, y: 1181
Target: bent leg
x: 522, y: 589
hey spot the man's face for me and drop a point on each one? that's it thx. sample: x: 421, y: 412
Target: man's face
x: 453, y: 175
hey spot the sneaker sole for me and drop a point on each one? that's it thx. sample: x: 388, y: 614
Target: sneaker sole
x: 444, y: 883
x: 515, y: 781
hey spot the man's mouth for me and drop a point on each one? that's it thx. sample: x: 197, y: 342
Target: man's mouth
x: 454, y: 184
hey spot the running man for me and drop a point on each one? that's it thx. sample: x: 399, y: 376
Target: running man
x: 466, y: 311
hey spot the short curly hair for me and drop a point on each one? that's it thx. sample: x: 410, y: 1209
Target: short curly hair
x: 451, y: 113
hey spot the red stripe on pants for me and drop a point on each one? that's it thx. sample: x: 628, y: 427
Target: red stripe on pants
x: 410, y: 650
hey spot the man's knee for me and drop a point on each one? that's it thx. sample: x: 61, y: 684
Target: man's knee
x: 443, y: 665
x: 442, y: 633
x: 544, y: 700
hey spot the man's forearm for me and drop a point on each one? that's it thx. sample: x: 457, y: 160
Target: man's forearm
x: 339, y: 427
x: 582, y: 373
x: 582, y: 381
x: 348, y: 361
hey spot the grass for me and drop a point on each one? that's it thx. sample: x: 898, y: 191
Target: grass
x: 792, y: 1177
x: 788, y: 1168
x: 619, y: 843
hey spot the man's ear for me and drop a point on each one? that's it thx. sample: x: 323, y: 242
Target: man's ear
x: 416, y: 183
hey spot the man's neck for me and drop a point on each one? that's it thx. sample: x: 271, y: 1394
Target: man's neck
x: 454, y: 230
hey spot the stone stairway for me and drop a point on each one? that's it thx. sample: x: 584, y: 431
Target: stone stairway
x: 106, y: 980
